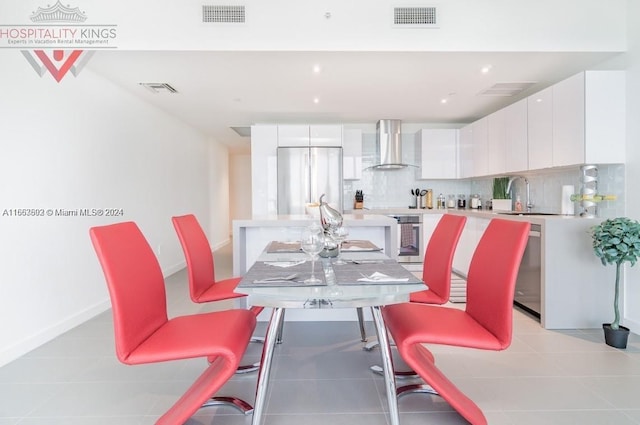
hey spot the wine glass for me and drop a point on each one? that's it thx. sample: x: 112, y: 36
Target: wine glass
x: 312, y: 242
x: 339, y: 235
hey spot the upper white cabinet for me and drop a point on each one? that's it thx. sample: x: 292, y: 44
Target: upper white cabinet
x: 465, y: 151
x: 293, y: 135
x: 439, y: 153
x: 516, y: 140
x: 352, y: 154
x: 496, y: 142
x: 589, y: 119
x: 540, y: 129
x: 325, y: 135
x: 480, y: 148
x: 309, y: 135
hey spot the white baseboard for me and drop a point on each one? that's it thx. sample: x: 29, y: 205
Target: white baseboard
x: 168, y: 271
x: 221, y: 244
x: 45, y: 335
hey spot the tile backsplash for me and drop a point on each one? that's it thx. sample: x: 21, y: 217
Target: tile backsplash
x: 392, y: 188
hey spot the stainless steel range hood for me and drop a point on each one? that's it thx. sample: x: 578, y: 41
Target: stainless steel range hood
x: 389, y: 145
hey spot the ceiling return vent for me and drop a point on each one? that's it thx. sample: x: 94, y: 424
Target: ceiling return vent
x: 223, y: 14
x: 507, y: 89
x: 415, y: 17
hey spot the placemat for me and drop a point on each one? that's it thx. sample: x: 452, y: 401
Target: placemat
x: 348, y: 274
x: 279, y: 246
x: 262, y: 270
x: 354, y: 245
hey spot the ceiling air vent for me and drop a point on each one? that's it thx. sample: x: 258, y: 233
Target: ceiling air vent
x: 415, y: 17
x: 159, y: 87
x: 506, y: 89
x: 223, y: 14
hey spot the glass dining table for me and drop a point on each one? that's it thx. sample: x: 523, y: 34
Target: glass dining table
x: 367, y: 279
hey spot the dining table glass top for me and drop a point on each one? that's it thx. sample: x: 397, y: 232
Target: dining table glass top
x: 367, y: 278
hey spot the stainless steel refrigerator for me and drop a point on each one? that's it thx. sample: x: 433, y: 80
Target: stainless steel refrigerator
x: 305, y: 173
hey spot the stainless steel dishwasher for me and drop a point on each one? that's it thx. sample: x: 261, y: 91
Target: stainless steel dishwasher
x: 528, y: 284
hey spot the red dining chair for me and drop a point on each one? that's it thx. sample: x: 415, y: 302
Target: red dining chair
x: 437, y: 264
x: 144, y: 333
x: 485, y: 323
x: 203, y: 286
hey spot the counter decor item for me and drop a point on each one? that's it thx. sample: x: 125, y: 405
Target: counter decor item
x: 330, y: 219
x: 501, y: 200
x: 616, y: 241
x: 358, y: 204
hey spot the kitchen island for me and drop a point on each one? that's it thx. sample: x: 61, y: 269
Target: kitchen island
x: 575, y: 290
x: 250, y: 237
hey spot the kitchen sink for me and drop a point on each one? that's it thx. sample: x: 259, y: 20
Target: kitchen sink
x: 523, y: 213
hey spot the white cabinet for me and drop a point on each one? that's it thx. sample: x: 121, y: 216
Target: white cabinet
x: 293, y: 135
x: 264, y: 170
x: 465, y: 152
x: 480, y: 148
x: 496, y: 142
x: 465, y: 248
x: 325, y: 135
x: 439, y: 149
x: 540, y: 129
x: 568, y: 121
x: 309, y: 135
x: 473, y: 230
x: 589, y: 119
x: 516, y: 140
x: 352, y: 154
x: 580, y: 120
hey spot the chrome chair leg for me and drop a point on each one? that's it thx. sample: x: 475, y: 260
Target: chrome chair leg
x: 236, y: 403
x: 363, y: 333
x: 370, y: 345
x: 415, y: 388
x: 405, y: 374
x: 247, y: 368
x: 280, y: 327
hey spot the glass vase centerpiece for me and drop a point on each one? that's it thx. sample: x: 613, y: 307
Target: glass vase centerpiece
x: 330, y: 220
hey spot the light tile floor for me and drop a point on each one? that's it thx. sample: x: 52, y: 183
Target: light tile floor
x: 321, y: 376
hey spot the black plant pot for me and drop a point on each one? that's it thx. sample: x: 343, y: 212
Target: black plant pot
x: 615, y: 338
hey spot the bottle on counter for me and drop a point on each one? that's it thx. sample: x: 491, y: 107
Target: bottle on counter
x: 429, y: 198
x: 474, y: 201
x: 518, y: 206
x: 462, y: 202
x: 442, y: 203
x: 451, y: 203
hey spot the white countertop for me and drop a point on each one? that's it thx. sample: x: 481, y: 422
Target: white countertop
x: 467, y: 212
x: 352, y: 220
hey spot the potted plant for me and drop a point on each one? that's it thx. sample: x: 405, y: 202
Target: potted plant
x: 501, y: 200
x: 616, y: 241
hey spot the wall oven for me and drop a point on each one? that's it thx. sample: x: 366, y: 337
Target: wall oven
x: 409, y: 241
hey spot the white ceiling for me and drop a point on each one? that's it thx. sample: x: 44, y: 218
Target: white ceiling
x: 219, y: 90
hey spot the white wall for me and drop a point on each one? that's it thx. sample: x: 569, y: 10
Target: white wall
x: 240, y: 182
x: 632, y: 286
x: 219, y: 195
x: 82, y: 143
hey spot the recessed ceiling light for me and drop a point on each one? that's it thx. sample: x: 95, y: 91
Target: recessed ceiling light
x: 316, y: 69
x: 443, y: 100
x: 485, y: 69
x: 316, y: 100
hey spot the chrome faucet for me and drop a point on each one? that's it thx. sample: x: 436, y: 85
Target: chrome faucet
x: 529, y: 205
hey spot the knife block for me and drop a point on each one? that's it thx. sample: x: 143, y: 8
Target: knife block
x: 358, y: 205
